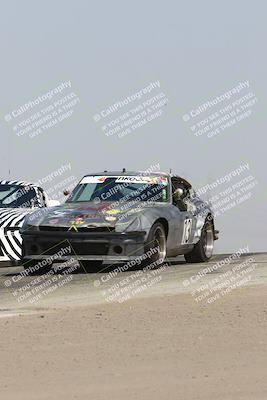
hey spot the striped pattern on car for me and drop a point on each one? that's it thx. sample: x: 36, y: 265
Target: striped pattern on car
x: 11, y: 219
x: 10, y: 238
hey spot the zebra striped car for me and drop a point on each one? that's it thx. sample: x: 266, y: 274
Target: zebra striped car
x: 17, y: 199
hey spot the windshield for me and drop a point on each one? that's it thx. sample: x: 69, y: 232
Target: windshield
x: 121, y: 188
x: 15, y: 196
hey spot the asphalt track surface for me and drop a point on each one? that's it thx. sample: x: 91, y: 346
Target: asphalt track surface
x: 150, y: 335
x: 20, y: 295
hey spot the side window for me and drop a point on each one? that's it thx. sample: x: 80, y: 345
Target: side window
x: 176, y: 184
x: 26, y: 198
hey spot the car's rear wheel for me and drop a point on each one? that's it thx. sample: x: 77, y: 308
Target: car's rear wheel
x: 156, y: 247
x: 203, y: 250
x: 90, y: 266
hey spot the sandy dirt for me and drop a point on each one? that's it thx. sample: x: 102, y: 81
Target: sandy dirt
x: 163, y: 347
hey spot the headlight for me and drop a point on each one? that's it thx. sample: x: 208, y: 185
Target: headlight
x: 32, y: 228
x: 32, y: 221
x: 28, y: 228
x: 130, y: 225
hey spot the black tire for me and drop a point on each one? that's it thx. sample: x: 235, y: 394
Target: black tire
x: 90, y: 266
x: 200, y: 252
x: 34, y: 267
x: 156, y: 238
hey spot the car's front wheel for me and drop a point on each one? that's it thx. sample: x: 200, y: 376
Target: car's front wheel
x: 203, y: 250
x: 155, y: 249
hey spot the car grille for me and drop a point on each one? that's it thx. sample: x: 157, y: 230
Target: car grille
x: 77, y: 248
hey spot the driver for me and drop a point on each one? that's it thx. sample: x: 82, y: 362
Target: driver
x: 180, y: 183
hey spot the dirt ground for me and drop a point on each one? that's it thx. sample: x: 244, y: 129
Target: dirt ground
x: 165, y: 347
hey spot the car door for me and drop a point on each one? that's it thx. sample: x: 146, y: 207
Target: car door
x: 190, y: 220
x: 185, y: 216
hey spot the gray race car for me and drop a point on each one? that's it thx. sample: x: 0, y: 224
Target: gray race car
x: 119, y: 216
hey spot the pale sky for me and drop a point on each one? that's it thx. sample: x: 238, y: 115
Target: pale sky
x: 112, y: 50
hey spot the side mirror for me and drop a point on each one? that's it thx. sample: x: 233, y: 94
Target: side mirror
x: 53, y: 203
x: 178, y: 194
x: 66, y: 192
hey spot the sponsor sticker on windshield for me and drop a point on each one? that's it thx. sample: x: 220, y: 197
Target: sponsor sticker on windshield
x: 93, y: 179
x: 151, y: 180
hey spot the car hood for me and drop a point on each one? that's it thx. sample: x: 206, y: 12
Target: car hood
x: 91, y: 214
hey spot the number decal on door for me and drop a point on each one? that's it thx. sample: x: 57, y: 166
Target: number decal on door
x: 187, y: 230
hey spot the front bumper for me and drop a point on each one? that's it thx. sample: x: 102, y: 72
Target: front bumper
x: 10, y: 263
x: 62, y: 246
